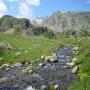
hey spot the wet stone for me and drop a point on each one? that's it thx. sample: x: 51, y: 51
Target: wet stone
x: 3, y: 79
x: 43, y: 87
x: 41, y: 64
x: 56, y: 87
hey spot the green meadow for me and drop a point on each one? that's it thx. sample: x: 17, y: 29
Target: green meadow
x: 33, y: 47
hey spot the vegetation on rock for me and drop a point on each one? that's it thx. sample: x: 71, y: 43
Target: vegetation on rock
x: 59, y: 21
x: 31, y: 69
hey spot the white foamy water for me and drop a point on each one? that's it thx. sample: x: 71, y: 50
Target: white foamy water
x: 30, y: 88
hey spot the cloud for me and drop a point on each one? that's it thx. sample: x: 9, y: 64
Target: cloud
x: 29, y: 2
x: 13, y: 0
x: 33, y: 2
x: 25, y: 10
x: 3, y: 8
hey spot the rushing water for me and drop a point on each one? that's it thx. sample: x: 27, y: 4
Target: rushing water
x: 58, y: 73
x: 30, y: 88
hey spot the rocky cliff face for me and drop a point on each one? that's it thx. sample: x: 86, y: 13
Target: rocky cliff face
x: 9, y: 24
x: 58, y: 22
x: 68, y: 21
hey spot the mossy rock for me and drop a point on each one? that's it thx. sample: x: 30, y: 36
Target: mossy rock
x: 31, y: 69
x: 4, y: 66
x: 51, y: 59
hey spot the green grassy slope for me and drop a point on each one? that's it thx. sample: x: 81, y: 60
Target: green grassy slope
x: 35, y: 45
x: 83, y: 83
x: 39, y: 45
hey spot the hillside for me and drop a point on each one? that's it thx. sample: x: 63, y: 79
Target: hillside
x: 19, y: 26
x: 9, y: 23
x: 59, y: 21
x: 31, y: 49
x: 34, y: 57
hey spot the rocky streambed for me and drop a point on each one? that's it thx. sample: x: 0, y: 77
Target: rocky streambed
x: 57, y: 75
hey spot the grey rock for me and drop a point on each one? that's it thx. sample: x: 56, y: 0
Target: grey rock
x: 5, y: 65
x: 7, y: 69
x: 56, y: 86
x: 71, y: 64
x: 75, y: 69
x: 43, y: 87
x: 17, y: 64
x: 41, y: 64
x: 60, y: 21
x: 51, y: 59
x: 74, y: 59
x: 75, y: 48
x: 3, y: 79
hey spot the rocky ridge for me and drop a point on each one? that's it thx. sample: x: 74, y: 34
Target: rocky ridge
x: 59, y: 21
x: 8, y: 22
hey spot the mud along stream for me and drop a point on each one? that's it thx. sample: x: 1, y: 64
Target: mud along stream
x: 57, y: 74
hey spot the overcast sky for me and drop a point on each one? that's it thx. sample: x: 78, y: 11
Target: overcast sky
x: 37, y: 8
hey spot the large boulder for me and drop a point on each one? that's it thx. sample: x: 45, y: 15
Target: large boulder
x: 74, y: 60
x: 51, y: 59
x: 4, y: 66
x: 76, y: 48
x: 43, y: 87
x: 31, y: 69
x: 75, y: 69
x: 71, y: 64
x: 56, y: 87
x: 41, y: 64
x: 17, y: 64
x: 3, y: 79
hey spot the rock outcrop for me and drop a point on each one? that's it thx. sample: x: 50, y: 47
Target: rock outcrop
x: 19, y: 26
x: 8, y: 22
x: 59, y: 21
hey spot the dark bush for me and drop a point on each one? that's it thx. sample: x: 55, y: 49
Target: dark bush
x: 2, y: 48
x: 39, y: 30
x: 50, y: 34
x: 18, y: 31
x: 87, y: 54
x: 84, y: 33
